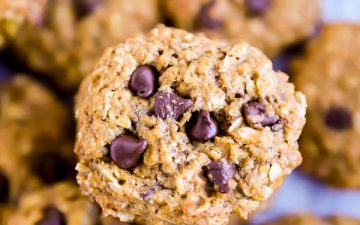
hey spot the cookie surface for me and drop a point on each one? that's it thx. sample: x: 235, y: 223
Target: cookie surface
x: 307, y: 219
x: 55, y: 205
x: 267, y: 24
x: 181, y: 129
x: 34, y: 137
x: 329, y: 75
x: 74, y: 33
x: 13, y: 13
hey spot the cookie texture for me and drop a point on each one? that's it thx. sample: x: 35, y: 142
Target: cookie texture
x: 55, y: 205
x: 269, y: 25
x: 13, y: 13
x: 216, y: 134
x: 74, y: 33
x: 34, y: 137
x: 329, y: 75
x: 308, y: 219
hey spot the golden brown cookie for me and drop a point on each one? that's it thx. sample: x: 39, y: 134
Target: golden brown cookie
x: 269, y: 25
x: 177, y: 128
x: 329, y: 75
x: 34, y: 135
x: 74, y: 33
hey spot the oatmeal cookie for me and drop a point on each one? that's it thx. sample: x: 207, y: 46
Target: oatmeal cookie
x: 34, y: 138
x: 177, y: 128
x: 55, y: 205
x: 13, y: 13
x: 268, y: 24
x: 329, y: 75
x: 74, y: 33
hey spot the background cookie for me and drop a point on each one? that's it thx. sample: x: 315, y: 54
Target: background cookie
x: 176, y: 127
x: 268, y: 24
x: 56, y: 205
x: 74, y: 33
x: 34, y: 136
x: 329, y: 75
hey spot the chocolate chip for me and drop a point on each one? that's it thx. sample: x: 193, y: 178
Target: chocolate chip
x: 148, y: 194
x: 51, y: 167
x: 258, y: 7
x: 219, y: 173
x: 85, y: 7
x: 338, y: 118
x: 52, y: 216
x: 127, y: 150
x: 202, y: 127
x: 171, y: 105
x: 256, y: 117
x: 204, y: 19
x: 4, y: 188
x: 143, y: 81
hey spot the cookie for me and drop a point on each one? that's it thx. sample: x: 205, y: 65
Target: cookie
x: 329, y: 75
x: 55, y: 205
x: 34, y: 137
x: 307, y: 219
x: 13, y: 13
x: 74, y: 33
x: 181, y: 129
x: 267, y: 24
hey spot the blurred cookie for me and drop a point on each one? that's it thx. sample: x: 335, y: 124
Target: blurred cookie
x: 267, y: 24
x: 307, y: 219
x: 179, y: 128
x: 74, y: 33
x: 60, y: 204
x: 13, y: 13
x: 329, y: 75
x: 34, y: 135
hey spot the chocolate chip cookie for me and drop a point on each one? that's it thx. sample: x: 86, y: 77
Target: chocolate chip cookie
x: 181, y: 129
x: 307, y: 219
x: 268, y: 24
x: 329, y: 75
x: 60, y: 204
x: 13, y: 13
x: 74, y: 33
x: 34, y: 135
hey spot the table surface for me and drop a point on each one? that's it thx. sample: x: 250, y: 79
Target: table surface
x: 301, y: 193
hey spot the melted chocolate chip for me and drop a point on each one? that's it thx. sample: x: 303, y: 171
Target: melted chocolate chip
x: 143, y: 81
x: 204, y: 19
x: 85, y: 7
x: 258, y: 7
x: 52, y: 216
x: 202, y: 127
x: 171, y: 105
x: 4, y: 188
x: 52, y: 167
x: 219, y: 173
x: 255, y: 116
x: 338, y: 118
x: 127, y: 150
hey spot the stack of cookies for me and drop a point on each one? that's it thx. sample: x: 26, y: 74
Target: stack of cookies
x: 110, y: 117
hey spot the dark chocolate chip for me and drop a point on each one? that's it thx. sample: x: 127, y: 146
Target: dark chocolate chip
x: 258, y: 7
x: 255, y: 116
x: 52, y: 167
x: 52, y: 216
x: 171, y: 105
x: 143, y: 81
x: 202, y: 127
x: 204, y: 19
x: 85, y: 7
x: 4, y: 188
x: 127, y: 150
x: 219, y: 173
x: 148, y: 194
x: 338, y: 118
